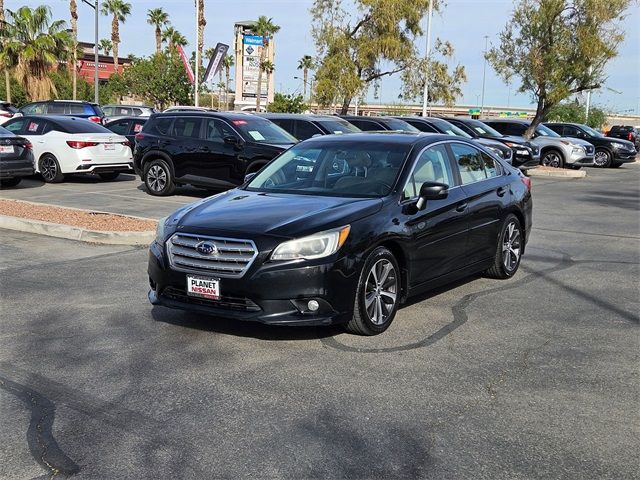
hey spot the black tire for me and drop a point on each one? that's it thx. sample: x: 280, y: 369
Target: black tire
x: 382, y: 298
x: 552, y: 158
x: 108, y: 176
x: 616, y: 164
x: 502, y: 268
x: 158, y: 178
x: 10, y: 182
x: 50, y: 169
x: 602, y: 158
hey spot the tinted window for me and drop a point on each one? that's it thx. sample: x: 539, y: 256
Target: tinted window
x: 15, y: 126
x: 515, y: 129
x: 82, y: 126
x: 545, y: 132
x: 79, y: 109
x: 108, y: 111
x: 343, y: 169
x: 285, y: 124
x: 306, y: 129
x: 121, y: 127
x: 591, y: 131
x: 450, y: 129
x: 556, y: 128
x: 366, y: 125
x: 137, y: 125
x: 483, y: 129
x: 187, y: 127
x: 215, y: 130
x: 337, y: 126
x: 568, y: 131
x: 34, y: 108
x: 465, y: 128
x: 422, y: 126
x: 56, y: 108
x: 471, y: 163
x: 161, y: 126
x: 136, y: 112
x: 432, y: 166
x: 262, y: 131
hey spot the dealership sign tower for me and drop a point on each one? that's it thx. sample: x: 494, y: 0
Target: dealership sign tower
x: 248, y: 47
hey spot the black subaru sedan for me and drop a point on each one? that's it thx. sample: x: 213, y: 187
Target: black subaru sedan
x: 343, y: 229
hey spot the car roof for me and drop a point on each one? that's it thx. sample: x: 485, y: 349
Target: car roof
x: 130, y: 105
x: 402, y: 138
x: 130, y: 117
x: 55, y: 118
x: 301, y: 116
x: 197, y: 113
x: 506, y: 120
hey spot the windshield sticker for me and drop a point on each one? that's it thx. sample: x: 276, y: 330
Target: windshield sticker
x: 137, y: 128
x: 33, y: 126
x: 337, y: 132
x: 256, y: 135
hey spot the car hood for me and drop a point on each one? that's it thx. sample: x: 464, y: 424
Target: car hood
x: 275, y: 149
x: 611, y: 140
x: 249, y: 214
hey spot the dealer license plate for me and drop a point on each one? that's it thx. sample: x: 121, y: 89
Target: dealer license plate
x: 202, y: 287
x: 6, y: 148
x: 109, y: 146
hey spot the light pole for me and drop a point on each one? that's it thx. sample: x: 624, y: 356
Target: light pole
x: 197, y: 80
x: 96, y: 94
x: 484, y: 72
x: 308, y: 84
x: 425, y: 94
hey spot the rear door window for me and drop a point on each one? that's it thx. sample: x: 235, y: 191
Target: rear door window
x: 472, y: 164
x: 34, y: 109
x: 187, y: 127
x: 15, y: 126
x: 366, y: 125
x: 287, y: 125
x: 305, y: 129
x: 56, y: 108
x: 121, y: 127
x: 162, y: 126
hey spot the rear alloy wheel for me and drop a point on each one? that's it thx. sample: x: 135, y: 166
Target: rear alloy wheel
x: 50, y: 169
x: 552, y: 158
x: 602, y: 159
x: 158, y: 178
x: 508, y: 250
x: 10, y: 182
x: 108, y: 176
x: 377, y: 295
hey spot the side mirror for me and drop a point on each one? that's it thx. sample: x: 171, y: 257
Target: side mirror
x: 431, y: 191
x: 249, y: 176
x: 231, y: 140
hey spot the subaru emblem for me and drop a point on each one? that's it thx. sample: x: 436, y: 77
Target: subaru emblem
x: 207, y: 248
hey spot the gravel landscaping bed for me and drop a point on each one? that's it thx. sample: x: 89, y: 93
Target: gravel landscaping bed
x: 99, y: 221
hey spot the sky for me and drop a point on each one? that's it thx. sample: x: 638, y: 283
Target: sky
x: 464, y: 23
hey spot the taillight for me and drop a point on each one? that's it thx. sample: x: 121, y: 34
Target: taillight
x: 28, y: 146
x: 127, y: 144
x: 630, y: 137
x: 80, y: 144
x: 139, y: 136
x: 6, y: 114
x: 526, y: 181
x: 95, y: 120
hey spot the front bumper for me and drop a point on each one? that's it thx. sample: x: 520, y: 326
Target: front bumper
x: 581, y: 160
x: 624, y: 156
x: 268, y: 293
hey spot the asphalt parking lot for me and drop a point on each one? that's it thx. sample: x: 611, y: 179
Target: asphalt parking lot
x: 535, y: 377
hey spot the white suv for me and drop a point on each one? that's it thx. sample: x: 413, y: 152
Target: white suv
x: 7, y: 111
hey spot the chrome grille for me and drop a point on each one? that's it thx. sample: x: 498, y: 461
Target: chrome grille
x: 232, y: 258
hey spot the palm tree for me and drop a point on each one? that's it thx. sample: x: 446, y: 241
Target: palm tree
x: 120, y: 11
x: 34, y: 45
x: 4, y: 65
x: 202, y: 22
x: 173, y: 38
x: 73, y: 11
x: 227, y: 63
x: 159, y: 19
x: 106, y: 46
x: 267, y: 67
x: 266, y: 29
x: 305, y: 64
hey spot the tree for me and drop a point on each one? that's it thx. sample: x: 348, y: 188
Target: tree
x: 267, y: 67
x: 354, y: 53
x: 202, y: 22
x: 105, y: 45
x: 305, y: 64
x: 173, y: 38
x: 4, y: 65
x: 227, y: 63
x: 287, y: 104
x: 35, y: 45
x: 73, y: 11
x: 265, y: 28
x: 159, y: 19
x: 160, y: 80
x: 120, y: 10
x: 444, y: 86
x: 574, y: 112
x: 557, y: 48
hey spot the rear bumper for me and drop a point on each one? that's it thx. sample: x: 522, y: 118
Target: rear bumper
x: 22, y: 169
x: 105, y: 167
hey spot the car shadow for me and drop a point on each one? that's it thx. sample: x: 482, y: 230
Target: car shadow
x: 33, y: 181
x: 187, y: 191
x: 90, y: 179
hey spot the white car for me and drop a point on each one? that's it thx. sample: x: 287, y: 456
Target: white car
x: 68, y: 145
x: 7, y: 111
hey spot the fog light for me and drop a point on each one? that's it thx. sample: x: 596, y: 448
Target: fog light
x: 313, y: 305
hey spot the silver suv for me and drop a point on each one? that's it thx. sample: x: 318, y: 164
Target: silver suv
x: 555, y: 151
x: 114, y: 112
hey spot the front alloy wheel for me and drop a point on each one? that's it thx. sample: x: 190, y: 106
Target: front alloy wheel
x: 602, y: 159
x: 377, y: 295
x: 552, y: 159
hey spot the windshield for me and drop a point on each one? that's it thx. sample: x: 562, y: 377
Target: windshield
x: 337, y: 126
x: 485, y: 130
x: 262, y: 131
x: 591, y: 131
x: 400, y: 125
x: 338, y: 169
x: 545, y: 131
x: 451, y: 129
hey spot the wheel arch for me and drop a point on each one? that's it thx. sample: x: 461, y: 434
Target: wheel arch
x: 553, y: 148
x: 401, y: 257
x: 153, y: 155
x: 520, y: 216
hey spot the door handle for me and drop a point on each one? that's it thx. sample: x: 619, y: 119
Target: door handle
x: 501, y: 191
x: 462, y: 206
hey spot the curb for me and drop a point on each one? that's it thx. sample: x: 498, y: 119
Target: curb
x: 557, y: 173
x: 75, y: 233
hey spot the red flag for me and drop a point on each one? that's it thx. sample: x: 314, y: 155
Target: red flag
x: 186, y: 64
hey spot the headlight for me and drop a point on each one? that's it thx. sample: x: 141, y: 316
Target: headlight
x: 618, y: 146
x: 160, y: 230
x: 577, y: 149
x: 319, y: 245
x: 496, y: 151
